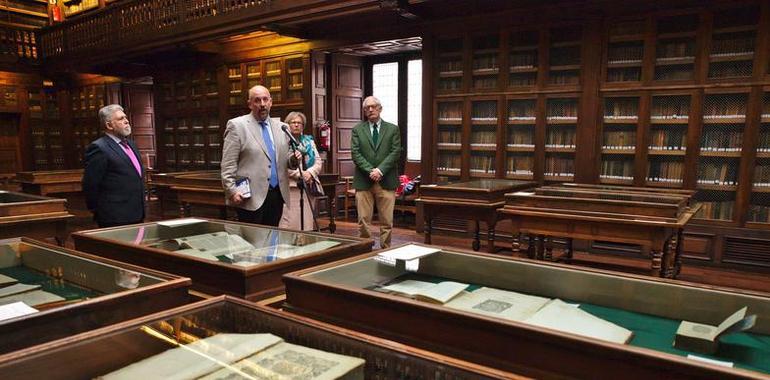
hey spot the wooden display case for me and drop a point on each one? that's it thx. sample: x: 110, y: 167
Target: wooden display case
x: 93, y: 354
x: 344, y: 293
x: 33, y: 216
x: 46, y: 182
x: 90, y: 292
x: 235, y: 258
x: 476, y: 200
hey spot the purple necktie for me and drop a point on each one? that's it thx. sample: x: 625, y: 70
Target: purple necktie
x: 132, y: 156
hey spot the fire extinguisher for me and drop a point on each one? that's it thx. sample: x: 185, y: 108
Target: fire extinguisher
x: 324, y: 136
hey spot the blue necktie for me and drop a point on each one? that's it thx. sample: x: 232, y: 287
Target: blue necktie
x: 271, y: 253
x: 271, y: 152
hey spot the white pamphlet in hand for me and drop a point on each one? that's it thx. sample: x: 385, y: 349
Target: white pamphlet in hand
x: 243, y: 186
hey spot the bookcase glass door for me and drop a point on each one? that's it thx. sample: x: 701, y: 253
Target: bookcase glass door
x: 449, y: 126
x: 675, y: 47
x: 621, y: 116
x: 667, y: 141
x: 625, y: 51
x: 237, y: 96
x: 483, y: 141
x: 561, y: 124
x: 522, y: 60
x: 520, y: 139
x: 294, y: 77
x: 732, y: 43
x: 486, y: 67
x: 564, y: 56
x: 759, y: 204
x: 450, y: 65
x: 721, y: 145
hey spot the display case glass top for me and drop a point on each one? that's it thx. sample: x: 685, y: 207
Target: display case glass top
x: 57, y: 292
x: 220, y: 257
x: 634, y: 319
x: 230, y: 338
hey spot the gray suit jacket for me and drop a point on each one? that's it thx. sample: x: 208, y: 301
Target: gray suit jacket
x: 244, y: 154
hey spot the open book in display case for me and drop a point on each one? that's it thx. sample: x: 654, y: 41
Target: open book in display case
x: 504, y: 331
x: 71, y: 292
x: 243, y: 260
x: 248, y: 340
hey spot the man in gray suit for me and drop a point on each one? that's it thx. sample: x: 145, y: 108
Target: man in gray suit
x: 256, y: 148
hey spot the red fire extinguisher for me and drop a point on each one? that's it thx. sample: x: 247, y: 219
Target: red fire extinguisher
x: 324, y: 136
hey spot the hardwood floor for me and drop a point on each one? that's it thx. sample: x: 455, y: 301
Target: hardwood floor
x: 404, y: 233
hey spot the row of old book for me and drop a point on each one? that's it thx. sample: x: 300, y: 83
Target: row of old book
x: 619, y: 139
x: 718, y: 173
x: 716, y: 210
x: 560, y: 138
x: 448, y: 161
x: 617, y: 169
x: 559, y: 166
x: 721, y: 140
x: 483, y: 163
x: 618, y: 107
x: 665, y: 171
x: 626, y: 52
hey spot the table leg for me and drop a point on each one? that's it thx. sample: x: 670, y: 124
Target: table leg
x: 428, y: 228
x: 548, y: 249
x: 476, y: 237
x: 491, y: 236
x: 657, y: 255
x: 223, y: 213
x: 531, y: 251
x: 539, y: 246
x: 568, y: 250
x: 61, y: 233
x: 332, y: 214
x: 678, y: 252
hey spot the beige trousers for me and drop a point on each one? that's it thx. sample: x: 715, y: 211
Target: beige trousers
x: 365, y: 202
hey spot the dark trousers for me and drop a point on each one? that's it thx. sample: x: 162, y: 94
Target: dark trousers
x: 269, y: 214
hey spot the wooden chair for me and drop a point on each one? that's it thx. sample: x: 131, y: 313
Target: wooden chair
x: 349, y: 196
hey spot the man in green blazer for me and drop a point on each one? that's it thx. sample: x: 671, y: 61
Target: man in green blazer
x: 376, y: 148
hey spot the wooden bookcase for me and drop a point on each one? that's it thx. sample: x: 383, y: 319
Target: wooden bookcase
x: 46, y: 128
x: 195, y: 104
x: 85, y: 102
x: 682, y: 101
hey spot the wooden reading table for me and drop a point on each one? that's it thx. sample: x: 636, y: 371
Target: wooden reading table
x: 651, y: 219
x: 476, y: 200
x: 51, y: 182
x: 33, y: 216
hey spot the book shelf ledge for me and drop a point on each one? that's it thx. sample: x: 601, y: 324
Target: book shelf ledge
x: 450, y: 74
x: 560, y: 148
x: 522, y: 69
x: 520, y: 147
x: 624, y: 63
x: 664, y: 182
x: 716, y: 185
x: 484, y: 147
x: 724, y: 119
x: 620, y: 119
x: 487, y: 71
x: 666, y: 151
x: 705, y: 152
x: 565, y: 67
x: 609, y: 150
x: 665, y: 61
x: 616, y: 180
x: 732, y: 57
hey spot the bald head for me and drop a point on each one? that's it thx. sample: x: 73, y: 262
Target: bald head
x: 260, y: 102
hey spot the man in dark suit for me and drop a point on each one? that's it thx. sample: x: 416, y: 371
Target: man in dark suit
x: 113, y: 181
x: 376, y: 148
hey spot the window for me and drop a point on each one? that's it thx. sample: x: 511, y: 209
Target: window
x: 414, y: 111
x: 385, y: 86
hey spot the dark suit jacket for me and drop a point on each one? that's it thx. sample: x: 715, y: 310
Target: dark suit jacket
x: 367, y: 156
x: 114, y: 190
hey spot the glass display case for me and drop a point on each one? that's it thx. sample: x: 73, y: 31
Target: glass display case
x: 221, y: 257
x: 523, y: 316
x: 47, y: 292
x: 228, y: 338
x: 33, y: 216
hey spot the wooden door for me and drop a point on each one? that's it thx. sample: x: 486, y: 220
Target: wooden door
x: 138, y: 103
x: 347, y: 94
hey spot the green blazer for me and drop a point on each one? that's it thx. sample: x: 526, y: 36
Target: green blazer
x: 367, y: 156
